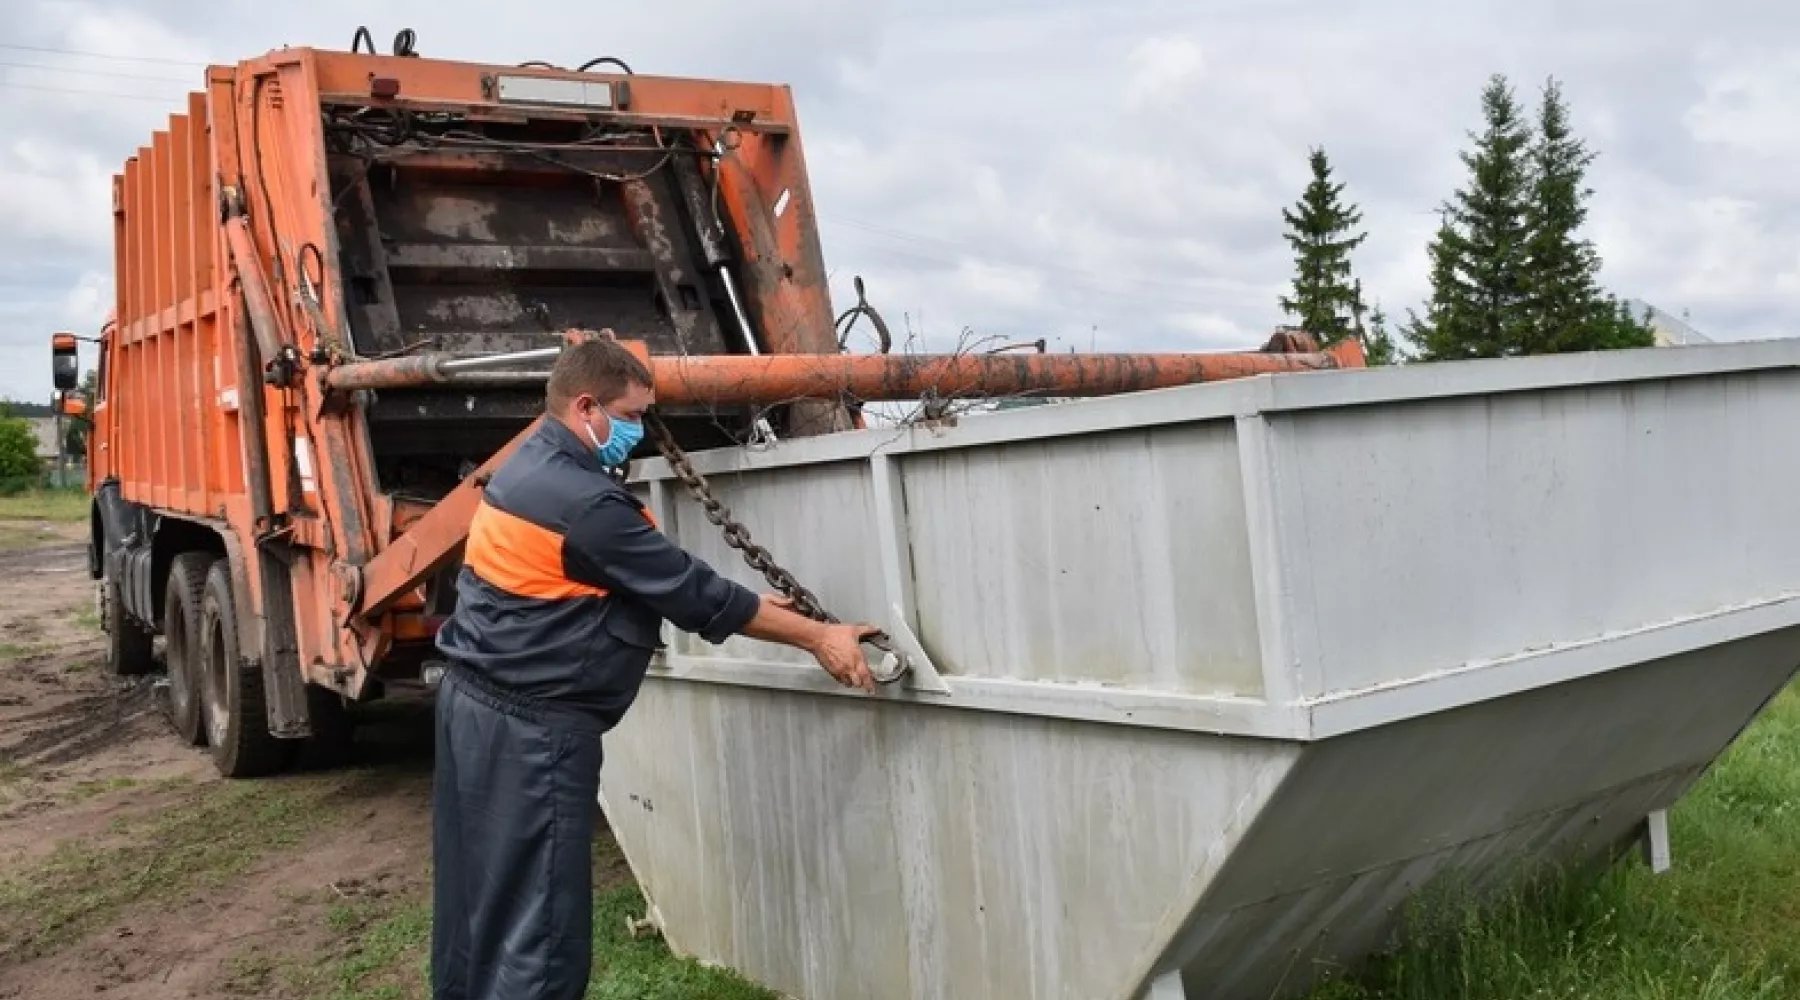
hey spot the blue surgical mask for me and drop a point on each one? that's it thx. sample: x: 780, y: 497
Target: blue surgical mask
x: 621, y: 437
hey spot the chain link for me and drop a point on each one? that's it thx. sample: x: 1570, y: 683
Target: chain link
x: 756, y: 556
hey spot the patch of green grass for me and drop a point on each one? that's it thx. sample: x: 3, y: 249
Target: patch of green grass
x: 644, y: 969
x: 89, y: 789
x: 383, y: 959
x: 213, y: 834
x: 1723, y: 924
x: 251, y: 974
x: 387, y: 957
x: 46, y: 505
x: 12, y: 774
x: 19, y: 650
x: 88, y: 618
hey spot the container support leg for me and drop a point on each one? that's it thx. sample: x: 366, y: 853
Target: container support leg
x: 1656, y: 841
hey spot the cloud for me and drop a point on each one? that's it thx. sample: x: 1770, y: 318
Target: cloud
x: 1161, y: 66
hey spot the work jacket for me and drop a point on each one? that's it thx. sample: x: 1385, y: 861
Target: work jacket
x: 566, y: 583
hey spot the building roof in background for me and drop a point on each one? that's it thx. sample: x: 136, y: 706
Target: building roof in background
x: 1671, y: 330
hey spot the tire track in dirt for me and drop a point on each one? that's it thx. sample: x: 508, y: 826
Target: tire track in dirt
x: 80, y: 728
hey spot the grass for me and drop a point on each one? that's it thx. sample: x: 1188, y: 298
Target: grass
x: 17, y: 537
x: 45, y: 505
x: 214, y: 833
x: 1724, y: 924
x: 383, y: 957
x: 644, y: 969
x: 100, y: 786
x: 387, y: 957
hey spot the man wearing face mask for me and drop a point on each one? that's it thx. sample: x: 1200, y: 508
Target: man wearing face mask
x: 565, y: 584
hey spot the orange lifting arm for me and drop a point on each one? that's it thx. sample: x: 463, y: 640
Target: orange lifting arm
x: 436, y: 538
x: 732, y: 380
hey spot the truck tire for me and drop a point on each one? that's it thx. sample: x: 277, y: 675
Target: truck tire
x: 182, y: 626
x: 237, y: 721
x: 130, y: 648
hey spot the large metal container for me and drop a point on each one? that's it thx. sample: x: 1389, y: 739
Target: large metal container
x: 1227, y: 673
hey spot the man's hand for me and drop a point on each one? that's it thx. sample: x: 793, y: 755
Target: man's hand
x: 839, y: 651
x: 838, y: 648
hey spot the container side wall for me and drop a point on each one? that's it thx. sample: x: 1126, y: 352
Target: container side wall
x: 819, y: 517
x: 1118, y: 558
x: 1416, y: 536
x: 836, y: 848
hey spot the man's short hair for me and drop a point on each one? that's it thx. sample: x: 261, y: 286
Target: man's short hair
x: 600, y: 368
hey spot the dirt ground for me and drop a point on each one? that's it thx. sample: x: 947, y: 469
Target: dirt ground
x: 129, y: 869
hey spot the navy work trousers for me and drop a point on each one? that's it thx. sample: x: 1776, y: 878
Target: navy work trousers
x: 512, y: 834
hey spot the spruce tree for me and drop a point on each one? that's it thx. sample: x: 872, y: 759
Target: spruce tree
x: 1325, y: 297
x: 1565, y: 307
x: 1479, y: 257
x: 1378, y: 344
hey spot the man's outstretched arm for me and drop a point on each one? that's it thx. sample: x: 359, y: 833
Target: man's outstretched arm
x: 610, y: 544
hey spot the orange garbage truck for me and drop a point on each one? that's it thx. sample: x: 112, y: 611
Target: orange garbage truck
x: 341, y: 278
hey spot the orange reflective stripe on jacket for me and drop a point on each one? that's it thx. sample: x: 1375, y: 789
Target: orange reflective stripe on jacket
x: 522, y: 558
x: 519, y: 557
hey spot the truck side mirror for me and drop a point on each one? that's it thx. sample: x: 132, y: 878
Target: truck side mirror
x: 65, y: 365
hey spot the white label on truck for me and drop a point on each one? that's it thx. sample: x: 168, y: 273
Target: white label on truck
x: 546, y: 90
x: 228, y: 400
x: 303, y: 458
x: 781, y: 203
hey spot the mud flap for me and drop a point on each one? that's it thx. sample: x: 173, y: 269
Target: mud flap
x: 266, y: 625
x: 284, y: 683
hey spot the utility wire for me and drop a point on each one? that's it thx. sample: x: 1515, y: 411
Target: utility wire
x: 100, y: 55
x: 110, y: 94
x: 79, y: 71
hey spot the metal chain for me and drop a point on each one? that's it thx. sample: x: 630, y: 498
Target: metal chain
x: 759, y: 559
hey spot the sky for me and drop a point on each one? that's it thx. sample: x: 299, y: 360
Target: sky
x: 1106, y: 176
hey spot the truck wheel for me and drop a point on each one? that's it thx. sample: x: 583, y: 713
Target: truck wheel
x: 237, y: 723
x: 181, y: 637
x: 130, y: 648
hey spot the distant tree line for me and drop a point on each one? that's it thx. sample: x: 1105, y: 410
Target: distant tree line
x: 18, y: 445
x: 1511, y: 274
